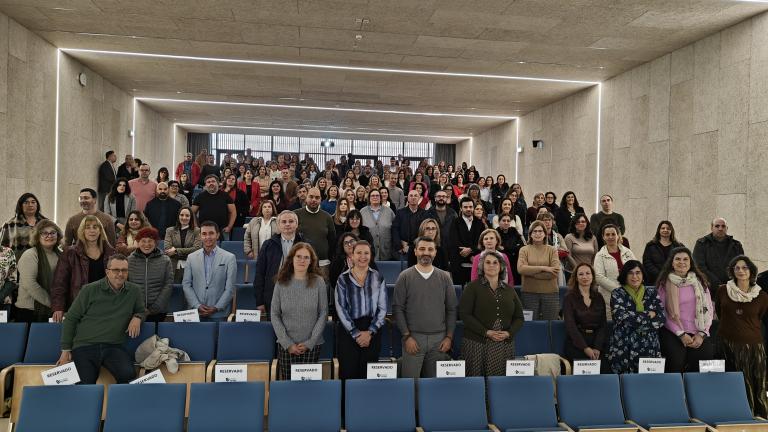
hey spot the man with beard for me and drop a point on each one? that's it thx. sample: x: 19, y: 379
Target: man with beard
x: 318, y: 229
x: 405, y: 228
x: 162, y: 210
x: 215, y: 205
x: 445, y: 217
x: 88, y: 204
x: 465, y: 236
x: 424, y: 306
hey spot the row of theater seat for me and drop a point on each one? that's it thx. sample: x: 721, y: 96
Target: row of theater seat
x: 514, y: 404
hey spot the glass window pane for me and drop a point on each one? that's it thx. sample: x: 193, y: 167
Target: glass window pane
x: 286, y: 144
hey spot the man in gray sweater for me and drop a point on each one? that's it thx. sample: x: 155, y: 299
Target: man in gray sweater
x: 424, y: 306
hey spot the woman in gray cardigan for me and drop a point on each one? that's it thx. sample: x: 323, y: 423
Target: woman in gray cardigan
x: 299, y: 309
x: 36, y: 275
x: 120, y: 202
x: 378, y: 219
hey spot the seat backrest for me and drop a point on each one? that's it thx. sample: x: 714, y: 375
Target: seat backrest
x: 196, y: 339
x: 390, y: 297
x: 61, y: 408
x: 452, y: 404
x: 43, y: 343
x: 238, y: 233
x: 578, y: 395
x: 557, y: 336
x: 135, y: 407
x: 233, y: 404
x: 522, y: 402
x: 328, y: 349
x: 246, y: 341
x: 390, y: 270
x: 380, y: 405
x: 246, y: 297
x: 717, y: 397
x: 458, y: 335
x: 131, y: 344
x: 177, y: 302
x: 13, y: 338
x: 386, y: 340
x: 533, y: 338
x: 654, y: 398
x: 305, y: 405
x: 235, y: 247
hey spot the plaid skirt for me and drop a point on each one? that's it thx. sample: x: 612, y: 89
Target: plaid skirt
x: 286, y: 359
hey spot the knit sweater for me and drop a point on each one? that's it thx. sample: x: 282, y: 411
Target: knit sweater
x: 318, y: 229
x: 425, y: 305
x: 535, y: 281
x: 480, y: 309
x: 29, y: 288
x: 740, y: 323
x: 101, y: 316
x: 70, y: 231
x: 299, y: 311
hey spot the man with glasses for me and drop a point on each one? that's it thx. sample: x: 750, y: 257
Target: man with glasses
x: 87, y: 201
x: 143, y: 188
x: 94, y: 329
x: 714, y: 251
x: 271, y: 256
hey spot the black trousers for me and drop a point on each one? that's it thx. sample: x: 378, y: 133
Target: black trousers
x: 681, y: 358
x: 353, y: 359
x: 89, y: 360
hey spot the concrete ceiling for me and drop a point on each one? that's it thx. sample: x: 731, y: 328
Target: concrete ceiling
x: 576, y: 40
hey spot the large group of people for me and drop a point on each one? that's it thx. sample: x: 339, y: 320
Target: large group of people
x: 315, y: 236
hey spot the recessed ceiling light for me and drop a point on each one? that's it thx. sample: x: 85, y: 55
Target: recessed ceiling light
x: 321, y: 108
x: 327, y: 66
x: 321, y: 131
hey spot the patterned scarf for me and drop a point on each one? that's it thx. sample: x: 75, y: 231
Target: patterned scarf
x: 673, y: 299
x: 736, y: 294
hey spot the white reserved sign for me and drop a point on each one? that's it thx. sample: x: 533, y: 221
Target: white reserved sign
x: 231, y: 373
x: 65, y: 374
x: 586, y: 367
x: 651, y: 365
x: 520, y: 367
x: 3, y: 316
x: 154, y: 377
x: 711, y: 365
x: 189, y: 315
x: 382, y: 370
x: 451, y: 369
x: 306, y: 372
x: 527, y: 315
x: 248, y: 315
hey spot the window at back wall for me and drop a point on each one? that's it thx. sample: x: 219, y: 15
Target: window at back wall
x: 269, y: 146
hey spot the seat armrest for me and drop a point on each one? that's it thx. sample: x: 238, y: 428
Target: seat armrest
x: 3, y: 377
x: 209, y: 371
x: 565, y: 426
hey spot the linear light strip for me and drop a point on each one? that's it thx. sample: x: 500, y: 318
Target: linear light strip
x: 56, y: 140
x: 133, y: 129
x: 327, y: 66
x: 517, y: 151
x: 599, y: 138
x: 173, y: 139
x: 320, y: 131
x: 321, y: 108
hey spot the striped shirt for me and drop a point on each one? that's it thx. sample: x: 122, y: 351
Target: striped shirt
x: 354, y: 301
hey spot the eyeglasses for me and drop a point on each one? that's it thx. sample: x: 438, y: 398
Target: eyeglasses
x: 350, y: 242
x: 430, y: 228
x: 30, y: 202
x: 302, y: 257
x: 118, y: 271
x: 49, y: 234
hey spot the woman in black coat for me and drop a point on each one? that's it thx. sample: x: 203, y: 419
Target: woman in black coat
x: 569, y: 207
x: 657, y: 250
x: 498, y: 192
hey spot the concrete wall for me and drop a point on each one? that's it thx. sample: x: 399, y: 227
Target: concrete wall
x: 93, y: 119
x: 494, y: 151
x: 686, y: 138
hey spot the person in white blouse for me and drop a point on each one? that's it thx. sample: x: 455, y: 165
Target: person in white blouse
x: 608, y: 263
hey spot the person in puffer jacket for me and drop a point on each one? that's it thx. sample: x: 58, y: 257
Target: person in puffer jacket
x: 152, y: 270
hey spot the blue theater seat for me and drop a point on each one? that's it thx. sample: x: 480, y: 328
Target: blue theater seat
x: 380, y: 405
x: 232, y: 403
x: 452, y: 404
x: 655, y: 400
x: 319, y: 402
x: 579, y: 395
x: 522, y: 404
x: 719, y: 399
x: 145, y: 407
x: 73, y: 408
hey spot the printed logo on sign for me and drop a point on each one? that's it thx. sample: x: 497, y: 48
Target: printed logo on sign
x: 520, y: 367
x: 306, y: 372
x: 527, y: 315
x: 247, y: 315
x: 651, y: 365
x: 231, y: 373
x: 3, y: 316
x: 711, y: 366
x: 586, y: 367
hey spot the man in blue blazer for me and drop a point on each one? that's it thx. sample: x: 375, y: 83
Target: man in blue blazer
x: 209, y: 277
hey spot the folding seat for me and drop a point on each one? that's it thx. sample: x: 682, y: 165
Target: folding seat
x: 390, y: 297
x: 245, y: 297
x: 386, y: 341
x: 720, y: 400
x: 380, y: 405
x: 13, y: 338
x: 235, y: 247
x: 522, y: 404
x: 238, y: 234
x: 533, y: 338
x: 305, y: 406
x: 458, y: 336
x: 591, y: 403
x: 232, y: 404
x: 657, y: 402
x: 145, y: 407
x: 390, y: 270
x: 251, y: 343
x: 70, y: 408
x: 42, y: 352
x: 196, y: 339
x: 177, y: 302
x: 452, y: 404
x: 557, y: 335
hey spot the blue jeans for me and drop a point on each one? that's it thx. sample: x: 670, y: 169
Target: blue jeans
x: 89, y: 360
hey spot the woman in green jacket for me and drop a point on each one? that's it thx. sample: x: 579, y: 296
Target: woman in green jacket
x: 492, y: 314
